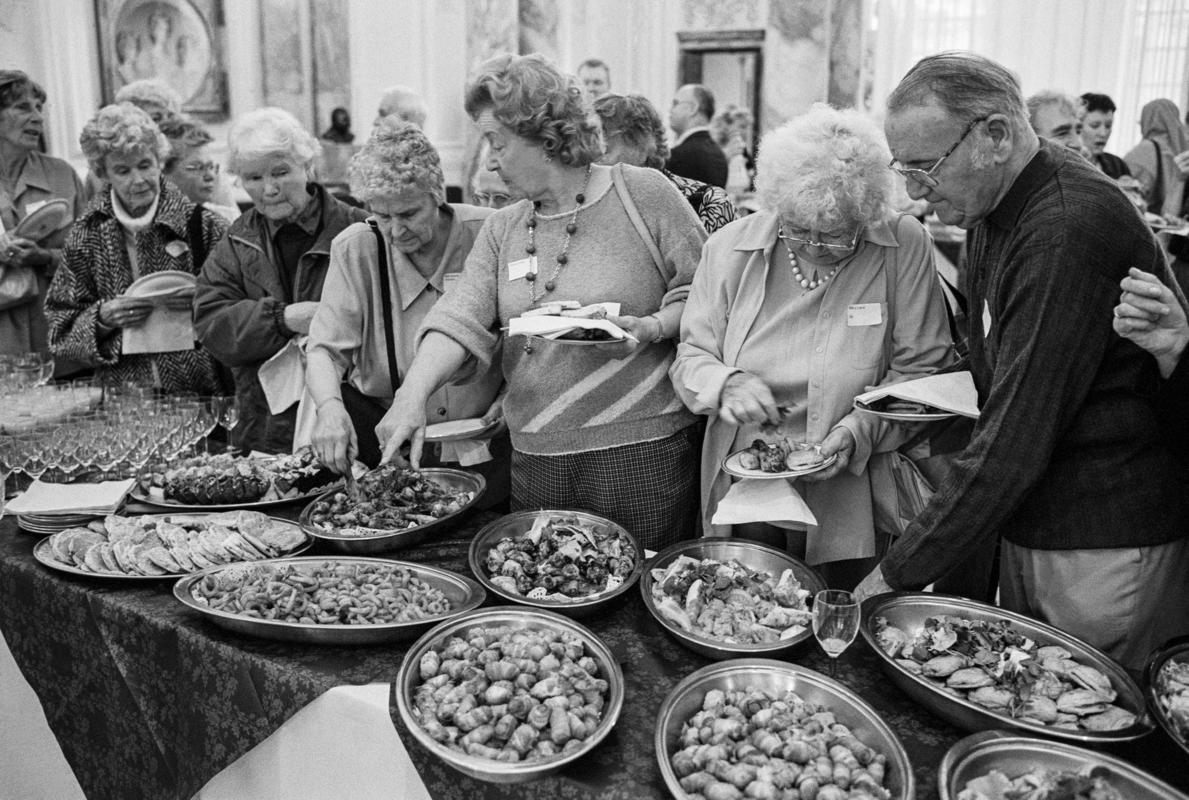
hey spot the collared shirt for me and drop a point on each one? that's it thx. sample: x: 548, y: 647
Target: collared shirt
x: 349, y: 324
x: 1068, y: 452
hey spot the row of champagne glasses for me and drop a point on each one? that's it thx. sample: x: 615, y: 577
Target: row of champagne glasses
x: 28, y: 369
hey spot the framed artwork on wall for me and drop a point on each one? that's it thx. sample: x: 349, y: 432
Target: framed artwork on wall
x: 177, y: 41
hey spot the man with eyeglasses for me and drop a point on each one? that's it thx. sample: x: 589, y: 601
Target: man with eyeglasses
x: 1067, y: 463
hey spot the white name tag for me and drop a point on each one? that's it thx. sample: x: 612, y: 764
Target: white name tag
x: 864, y: 314
x: 450, y: 279
x: 518, y: 269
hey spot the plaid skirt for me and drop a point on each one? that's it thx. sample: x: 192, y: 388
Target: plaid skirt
x: 650, y: 488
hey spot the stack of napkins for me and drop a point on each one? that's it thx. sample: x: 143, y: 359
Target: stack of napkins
x: 760, y: 500
x: 952, y: 391
x: 77, y: 498
x: 551, y: 321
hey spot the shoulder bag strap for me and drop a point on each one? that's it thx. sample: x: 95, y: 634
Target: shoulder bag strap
x: 386, y: 304
x: 637, y: 220
x: 197, y: 242
x: 1156, y: 206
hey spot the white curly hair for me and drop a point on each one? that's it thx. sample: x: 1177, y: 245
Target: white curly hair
x: 269, y: 131
x: 120, y: 129
x: 826, y: 169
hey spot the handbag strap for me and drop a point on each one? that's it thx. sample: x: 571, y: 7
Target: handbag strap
x: 386, y: 303
x: 1157, y: 204
x: 197, y: 241
x: 629, y: 205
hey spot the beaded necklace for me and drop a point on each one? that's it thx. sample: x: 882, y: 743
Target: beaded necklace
x: 562, y: 257
x: 808, y: 284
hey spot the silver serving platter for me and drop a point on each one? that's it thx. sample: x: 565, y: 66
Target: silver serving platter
x: 909, y: 610
x: 142, y: 494
x: 1014, y: 755
x: 516, y: 525
x: 751, y: 554
x: 463, y: 593
x: 384, y: 541
x: 778, y: 676
x: 486, y: 769
x: 1176, y: 650
x: 43, y: 554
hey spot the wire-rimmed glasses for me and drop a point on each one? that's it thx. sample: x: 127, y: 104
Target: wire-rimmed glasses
x: 926, y: 177
x: 807, y: 239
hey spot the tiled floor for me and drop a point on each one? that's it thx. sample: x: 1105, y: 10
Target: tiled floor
x: 31, y: 763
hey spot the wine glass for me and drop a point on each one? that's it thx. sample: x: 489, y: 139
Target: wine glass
x: 8, y: 464
x: 228, y: 410
x: 835, y: 623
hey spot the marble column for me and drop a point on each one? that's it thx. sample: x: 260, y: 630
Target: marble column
x: 847, y: 43
x: 538, y: 27
x: 492, y: 28
x: 796, y: 59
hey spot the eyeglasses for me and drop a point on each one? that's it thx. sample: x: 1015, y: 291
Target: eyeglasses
x: 925, y: 176
x: 486, y: 198
x: 206, y: 166
x: 830, y: 244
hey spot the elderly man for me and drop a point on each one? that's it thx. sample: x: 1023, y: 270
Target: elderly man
x: 595, y: 76
x: 1054, y: 115
x: 405, y: 104
x: 1067, y: 462
x: 695, y: 154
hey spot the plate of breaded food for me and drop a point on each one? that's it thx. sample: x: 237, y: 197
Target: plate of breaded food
x: 154, y: 547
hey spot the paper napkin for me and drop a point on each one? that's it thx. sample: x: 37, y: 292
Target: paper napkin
x: 80, y: 498
x: 759, y: 500
x: 951, y: 391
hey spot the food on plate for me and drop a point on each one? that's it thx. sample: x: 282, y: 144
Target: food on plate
x: 510, y: 694
x: 993, y: 665
x: 780, y: 456
x: 753, y: 743
x: 325, y: 593
x: 895, y: 405
x: 1172, y: 687
x: 561, y: 558
x: 390, y: 498
x: 730, y: 601
x: 224, y: 479
x: 173, y: 544
x: 1043, y: 784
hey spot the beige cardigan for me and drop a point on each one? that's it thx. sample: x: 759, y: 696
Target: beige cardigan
x: 727, y: 294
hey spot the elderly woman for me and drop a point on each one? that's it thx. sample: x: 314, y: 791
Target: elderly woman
x: 28, y: 181
x: 798, y: 308
x: 634, y: 134
x: 191, y: 165
x: 596, y: 428
x: 1154, y: 161
x: 140, y: 225
x: 261, y: 285
x: 384, y: 277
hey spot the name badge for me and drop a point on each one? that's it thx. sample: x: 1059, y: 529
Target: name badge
x: 518, y: 269
x: 450, y: 279
x: 862, y: 315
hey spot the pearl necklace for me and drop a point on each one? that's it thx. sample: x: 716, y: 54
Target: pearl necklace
x: 562, y: 257
x: 808, y: 284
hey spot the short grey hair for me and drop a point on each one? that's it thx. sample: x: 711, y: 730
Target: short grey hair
x: 398, y: 159
x: 966, y: 85
x: 825, y: 168
x: 633, y: 119
x: 151, y: 91
x: 269, y: 131
x: 1050, y: 97
x: 120, y: 129
x: 403, y: 103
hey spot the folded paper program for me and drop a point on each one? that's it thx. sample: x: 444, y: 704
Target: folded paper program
x: 953, y: 392
x: 774, y: 502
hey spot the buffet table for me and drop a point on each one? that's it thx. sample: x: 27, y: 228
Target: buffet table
x: 148, y: 700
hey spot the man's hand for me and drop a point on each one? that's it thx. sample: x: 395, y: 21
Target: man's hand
x: 334, y: 439
x: 403, y: 422
x: 1149, y: 314
x: 840, y: 441
x: 298, y: 316
x: 125, y: 312
x: 747, y: 400
x: 872, y: 585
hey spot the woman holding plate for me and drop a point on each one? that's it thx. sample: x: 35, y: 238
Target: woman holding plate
x: 363, y: 335
x: 29, y: 181
x: 798, y: 308
x: 141, y: 224
x: 595, y: 428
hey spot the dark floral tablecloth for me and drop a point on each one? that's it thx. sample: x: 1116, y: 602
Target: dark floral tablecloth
x: 150, y: 701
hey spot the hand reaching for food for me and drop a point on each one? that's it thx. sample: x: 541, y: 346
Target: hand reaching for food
x: 747, y: 400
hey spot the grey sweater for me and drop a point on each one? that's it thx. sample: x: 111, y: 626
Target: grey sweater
x: 564, y: 398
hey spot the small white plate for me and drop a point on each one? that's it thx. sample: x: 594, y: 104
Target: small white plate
x: 161, y: 284
x: 45, y: 220
x: 731, y: 466
x: 457, y: 430
x: 905, y: 416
